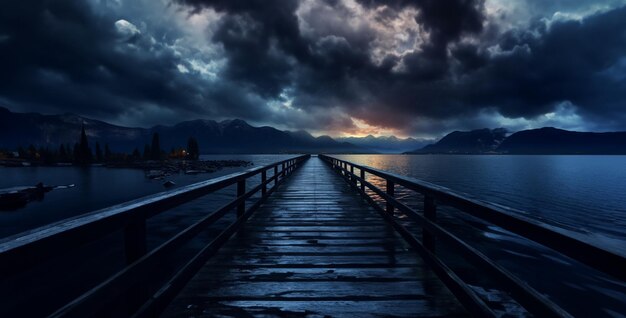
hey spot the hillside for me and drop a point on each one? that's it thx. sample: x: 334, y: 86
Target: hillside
x: 229, y: 136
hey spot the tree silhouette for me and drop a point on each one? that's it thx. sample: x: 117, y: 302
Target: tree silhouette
x: 76, y: 153
x: 63, y: 153
x: 136, y: 155
x: 155, y: 148
x: 193, y: 150
x: 146, y: 152
x: 32, y: 152
x: 99, y: 155
x: 83, y: 155
x: 107, y: 152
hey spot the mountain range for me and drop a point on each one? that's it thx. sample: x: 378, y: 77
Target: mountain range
x: 229, y: 136
x: 237, y: 136
x: 547, y: 140
x: 386, y: 144
x: 475, y: 141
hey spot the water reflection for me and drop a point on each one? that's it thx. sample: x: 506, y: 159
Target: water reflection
x: 581, y: 193
x: 556, y: 189
x: 95, y: 188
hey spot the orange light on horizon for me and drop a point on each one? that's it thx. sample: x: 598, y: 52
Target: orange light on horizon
x: 363, y: 129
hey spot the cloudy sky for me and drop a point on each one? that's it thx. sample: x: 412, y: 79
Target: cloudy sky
x: 340, y: 67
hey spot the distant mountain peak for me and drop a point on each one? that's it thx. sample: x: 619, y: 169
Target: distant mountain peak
x: 302, y: 134
x: 386, y: 144
x: 546, y: 140
x: 324, y: 137
x: 475, y: 141
x: 73, y: 119
x: 235, y: 123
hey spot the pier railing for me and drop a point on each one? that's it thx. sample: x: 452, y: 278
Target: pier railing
x: 536, y: 303
x: 23, y: 251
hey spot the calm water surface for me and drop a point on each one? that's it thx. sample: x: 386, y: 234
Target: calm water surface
x: 583, y: 195
x: 95, y: 188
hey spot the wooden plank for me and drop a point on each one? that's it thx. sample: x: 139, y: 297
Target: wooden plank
x: 316, y: 308
x: 211, y: 274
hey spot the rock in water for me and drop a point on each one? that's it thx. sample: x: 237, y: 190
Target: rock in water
x: 169, y: 183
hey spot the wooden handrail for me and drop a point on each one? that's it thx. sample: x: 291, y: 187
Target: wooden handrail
x: 24, y: 250
x: 511, y: 220
x: 533, y: 301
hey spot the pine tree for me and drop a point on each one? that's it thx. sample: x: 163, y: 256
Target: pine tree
x: 62, y: 153
x: 193, y: 150
x: 84, y: 155
x: 107, y: 152
x: 32, y: 152
x: 76, y: 153
x: 156, y: 147
x: 136, y: 155
x: 146, y: 152
x: 99, y: 154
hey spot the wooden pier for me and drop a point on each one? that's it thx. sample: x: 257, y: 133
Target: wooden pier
x: 316, y: 248
x: 313, y: 237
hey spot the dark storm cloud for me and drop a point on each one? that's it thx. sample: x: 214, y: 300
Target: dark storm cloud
x: 523, y: 73
x: 62, y: 55
x: 565, y: 61
x: 414, y: 66
x: 261, y: 39
x: 446, y: 21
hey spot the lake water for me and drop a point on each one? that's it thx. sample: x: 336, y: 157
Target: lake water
x: 584, y: 195
x: 95, y: 188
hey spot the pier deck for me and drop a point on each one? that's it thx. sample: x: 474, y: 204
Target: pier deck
x: 315, y: 248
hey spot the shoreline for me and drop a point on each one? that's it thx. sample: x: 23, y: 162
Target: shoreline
x: 153, y: 168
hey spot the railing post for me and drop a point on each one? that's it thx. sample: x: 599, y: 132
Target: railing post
x: 275, y: 175
x: 430, y: 213
x: 241, y: 190
x: 362, y: 180
x: 282, y: 171
x: 352, y: 174
x: 390, y: 191
x: 263, y: 180
x: 135, y: 240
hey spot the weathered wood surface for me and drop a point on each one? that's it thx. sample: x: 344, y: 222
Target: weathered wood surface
x: 315, y: 249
